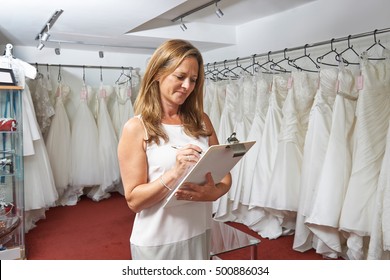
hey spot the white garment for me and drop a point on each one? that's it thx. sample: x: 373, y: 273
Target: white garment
x: 379, y: 247
x: 245, y: 112
x: 327, y: 201
x: 283, y: 192
x: 44, y: 109
x: 172, y: 226
x: 217, y: 91
x: 268, y: 225
x: 372, y: 122
x: 122, y: 108
x: 39, y: 192
x: 208, y: 94
x: 249, y: 215
x: 58, y: 142
x: 222, y: 207
x: 108, y: 145
x: 315, y: 147
x: 269, y: 141
x: 85, y: 147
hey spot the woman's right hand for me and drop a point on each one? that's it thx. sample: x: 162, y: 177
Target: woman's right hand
x: 186, y: 157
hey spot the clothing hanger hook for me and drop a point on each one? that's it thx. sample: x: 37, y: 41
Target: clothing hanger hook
x: 331, y: 44
x: 84, y: 74
x: 349, y: 41
x: 304, y: 49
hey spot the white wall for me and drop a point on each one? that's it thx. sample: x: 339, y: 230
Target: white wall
x: 79, y: 57
x: 315, y: 22
x: 73, y: 76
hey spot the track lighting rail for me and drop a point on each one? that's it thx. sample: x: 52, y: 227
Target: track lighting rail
x: 195, y: 10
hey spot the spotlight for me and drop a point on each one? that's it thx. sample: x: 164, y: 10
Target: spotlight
x: 40, y: 45
x: 45, y: 36
x: 57, y: 51
x: 101, y: 54
x: 218, y: 11
x: 182, y: 25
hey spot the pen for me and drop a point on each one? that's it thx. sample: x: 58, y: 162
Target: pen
x: 179, y: 147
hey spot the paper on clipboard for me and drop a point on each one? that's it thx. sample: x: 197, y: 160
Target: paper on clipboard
x: 217, y: 159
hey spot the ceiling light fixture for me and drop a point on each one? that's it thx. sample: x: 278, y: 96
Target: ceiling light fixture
x: 218, y: 11
x: 40, y: 45
x: 182, y: 25
x: 58, y: 49
x: 180, y: 17
x: 44, y: 34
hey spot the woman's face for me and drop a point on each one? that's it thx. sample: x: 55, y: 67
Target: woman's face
x: 177, y: 86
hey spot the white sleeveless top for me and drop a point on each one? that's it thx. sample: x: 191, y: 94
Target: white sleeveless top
x: 157, y: 226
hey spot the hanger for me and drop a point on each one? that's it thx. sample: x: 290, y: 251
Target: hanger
x: 320, y: 59
x: 269, y: 62
x: 276, y: 66
x: 123, y: 75
x: 29, y: 70
x: 39, y: 75
x: 376, y: 43
x: 208, y: 73
x: 8, y: 51
x: 351, y: 50
x: 308, y: 58
x: 48, y: 72
x: 242, y: 70
x: 227, y: 72
x: 217, y: 74
x: 59, y: 77
x: 212, y: 74
x: 256, y: 67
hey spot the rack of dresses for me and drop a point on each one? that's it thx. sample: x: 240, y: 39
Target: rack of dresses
x: 87, y: 123
x: 318, y: 168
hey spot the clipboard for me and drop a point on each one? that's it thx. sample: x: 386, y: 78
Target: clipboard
x: 217, y: 159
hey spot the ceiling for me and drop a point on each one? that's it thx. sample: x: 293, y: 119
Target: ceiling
x: 132, y: 26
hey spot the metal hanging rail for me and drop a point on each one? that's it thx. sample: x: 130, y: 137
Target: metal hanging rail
x: 82, y: 66
x: 334, y: 40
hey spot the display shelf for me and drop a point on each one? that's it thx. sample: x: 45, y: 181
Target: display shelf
x: 12, y: 234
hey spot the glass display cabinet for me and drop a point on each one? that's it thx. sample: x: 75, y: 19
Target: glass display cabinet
x: 12, y: 234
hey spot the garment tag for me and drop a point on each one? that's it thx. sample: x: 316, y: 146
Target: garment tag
x: 103, y: 93
x: 359, y: 82
x: 58, y: 92
x: 289, y: 82
x: 83, y: 94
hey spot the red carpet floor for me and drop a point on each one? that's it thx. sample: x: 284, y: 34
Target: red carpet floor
x: 101, y: 230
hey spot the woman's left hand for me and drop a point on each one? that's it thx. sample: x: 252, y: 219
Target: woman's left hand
x: 209, y: 191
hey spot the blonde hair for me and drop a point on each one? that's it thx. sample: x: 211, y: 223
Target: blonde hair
x: 163, y: 62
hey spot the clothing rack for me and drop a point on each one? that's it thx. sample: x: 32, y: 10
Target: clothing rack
x: 334, y: 40
x: 83, y: 66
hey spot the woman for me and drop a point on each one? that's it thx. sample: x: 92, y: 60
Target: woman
x: 169, y: 112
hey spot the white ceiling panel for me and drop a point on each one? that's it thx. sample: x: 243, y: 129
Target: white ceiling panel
x: 131, y: 25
